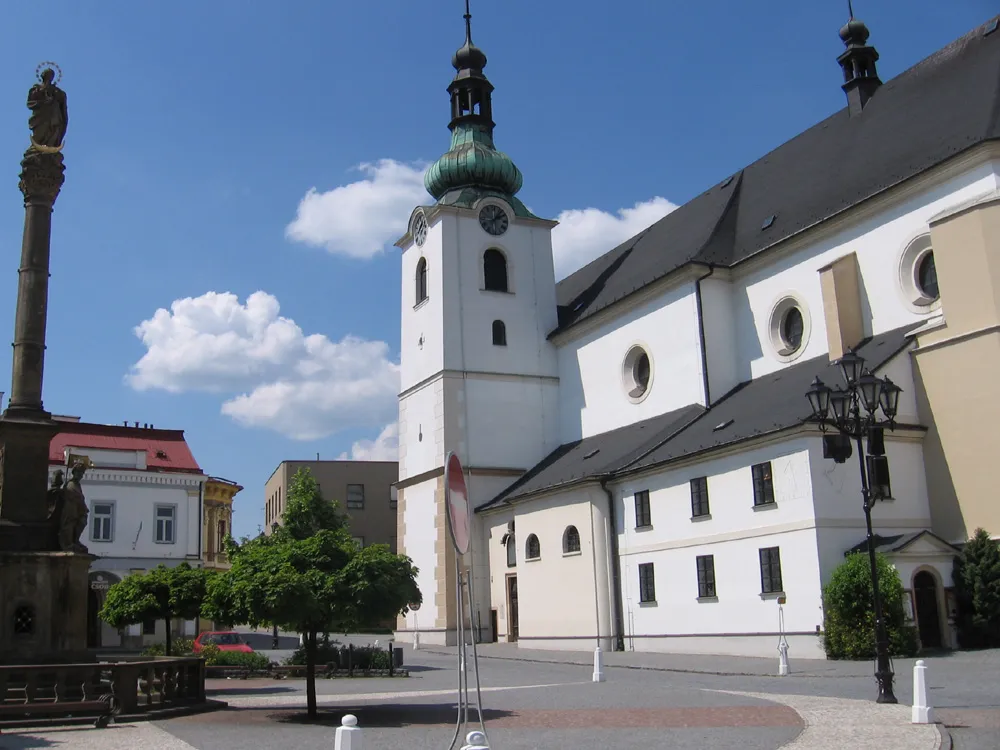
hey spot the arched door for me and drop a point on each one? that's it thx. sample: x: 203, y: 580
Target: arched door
x: 928, y: 615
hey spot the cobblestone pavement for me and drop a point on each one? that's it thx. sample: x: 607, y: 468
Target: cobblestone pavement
x: 548, y: 703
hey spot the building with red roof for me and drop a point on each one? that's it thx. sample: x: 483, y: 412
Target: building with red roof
x: 146, y: 496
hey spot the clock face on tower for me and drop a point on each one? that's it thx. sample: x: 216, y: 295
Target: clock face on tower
x: 420, y: 230
x: 493, y: 219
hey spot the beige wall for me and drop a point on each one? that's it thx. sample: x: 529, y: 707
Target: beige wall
x: 957, y: 365
x: 375, y: 523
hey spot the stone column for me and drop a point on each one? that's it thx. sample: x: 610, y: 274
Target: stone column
x: 26, y: 429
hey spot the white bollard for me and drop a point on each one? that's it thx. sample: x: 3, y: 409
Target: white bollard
x: 598, y: 665
x: 782, y: 659
x: 475, y: 741
x: 922, y: 712
x: 348, y: 734
x: 416, y: 640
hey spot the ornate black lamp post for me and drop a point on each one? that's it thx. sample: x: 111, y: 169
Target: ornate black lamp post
x: 852, y: 412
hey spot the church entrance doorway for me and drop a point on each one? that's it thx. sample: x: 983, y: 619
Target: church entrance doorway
x: 928, y: 616
x: 512, y: 608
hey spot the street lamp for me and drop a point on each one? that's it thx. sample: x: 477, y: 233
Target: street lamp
x: 852, y: 413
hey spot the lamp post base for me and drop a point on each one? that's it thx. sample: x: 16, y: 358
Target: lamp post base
x: 885, y: 694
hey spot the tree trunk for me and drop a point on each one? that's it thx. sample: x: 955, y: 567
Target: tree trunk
x: 167, y: 621
x: 311, y: 672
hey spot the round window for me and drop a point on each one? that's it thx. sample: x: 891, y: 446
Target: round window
x: 637, y: 373
x: 918, y: 279
x: 788, y: 327
x: 927, y: 281
x: 792, y: 327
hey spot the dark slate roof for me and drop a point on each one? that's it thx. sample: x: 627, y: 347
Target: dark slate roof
x: 597, y: 455
x: 768, y: 404
x: 896, y: 542
x: 931, y: 112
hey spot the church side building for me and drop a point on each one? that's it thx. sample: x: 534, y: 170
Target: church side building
x: 636, y: 436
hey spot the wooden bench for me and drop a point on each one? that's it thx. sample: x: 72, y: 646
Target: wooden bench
x: 104, y: 709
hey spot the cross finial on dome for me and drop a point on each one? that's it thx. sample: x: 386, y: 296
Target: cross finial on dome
x: 468, y: 23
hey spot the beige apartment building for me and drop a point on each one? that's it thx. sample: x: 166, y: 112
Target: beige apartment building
x: 363, y: 489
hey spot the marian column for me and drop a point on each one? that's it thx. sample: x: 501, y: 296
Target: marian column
x: 26, y: 429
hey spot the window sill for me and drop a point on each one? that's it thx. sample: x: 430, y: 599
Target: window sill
x: 771, y: 595
x: 765, y: 506
x: 532, y: 559
x: 707, y: 599
x: 102, y: 541
x: 699, y: 519
x: 159, y: 541
x: 572, y: 554
x: 496, y: 291
x: 421, y: 303
x: 648, y: 527
x: 648, y: 604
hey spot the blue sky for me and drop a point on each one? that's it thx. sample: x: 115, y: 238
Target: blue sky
x: 217, y: 147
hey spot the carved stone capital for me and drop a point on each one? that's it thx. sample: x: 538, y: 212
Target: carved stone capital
x: 42, y: 175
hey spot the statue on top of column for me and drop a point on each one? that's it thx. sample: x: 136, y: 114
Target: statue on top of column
x: 49, y: 115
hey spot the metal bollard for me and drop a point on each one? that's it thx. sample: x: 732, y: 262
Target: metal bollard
x: 475, y: 741
x: 783, y: 658
x: 922, y: 713
x: 348, y: 734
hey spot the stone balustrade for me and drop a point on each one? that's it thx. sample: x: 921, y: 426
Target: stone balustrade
x: 140, y: 686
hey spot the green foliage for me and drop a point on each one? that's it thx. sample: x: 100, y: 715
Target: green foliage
x: 362, y: 658
x: 977, y: 589
x: 307, y: 512
x: 849, y: 617
x: 179, y: 647
x: 253, y: 660
x: 310, y: 577
x: 159, y: 594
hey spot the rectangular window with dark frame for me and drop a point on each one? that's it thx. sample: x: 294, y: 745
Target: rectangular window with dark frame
x: 706, y: 576
x: 355, y: 497
x: 642, y: 515
x: 770, y: 570
x: 166, y: 517
x: 647, y: 584
x: 699, y: 497
x: 763, y: 484
x: 103, y: 522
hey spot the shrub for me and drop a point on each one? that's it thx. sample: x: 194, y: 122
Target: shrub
x: 977, y: 591
x: 252, y: 660
x: 848, y: 615
x: 178, y: 647
x: 361, y: 658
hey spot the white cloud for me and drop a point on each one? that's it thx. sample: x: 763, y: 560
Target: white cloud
x: 305, y: 387
x: 586, y: 234
x: 359, y: 219
x: 383, y: 448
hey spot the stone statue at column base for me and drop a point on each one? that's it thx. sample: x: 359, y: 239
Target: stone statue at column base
x: 68, y: 511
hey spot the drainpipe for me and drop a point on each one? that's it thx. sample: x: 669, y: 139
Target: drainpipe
x: 701, y: 336
x: 619, y: 644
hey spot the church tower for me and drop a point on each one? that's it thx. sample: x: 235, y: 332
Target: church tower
x: 478, y: 374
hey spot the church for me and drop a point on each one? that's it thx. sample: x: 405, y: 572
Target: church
x: 637, y: 438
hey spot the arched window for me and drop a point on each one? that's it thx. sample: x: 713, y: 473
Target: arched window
x: 495, y: 270
x: 571, y: 540
x: 421, y: 280
x: 499, y: 333
x: 532, y: 549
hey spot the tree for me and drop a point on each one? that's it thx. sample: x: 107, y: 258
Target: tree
x: 310, y: 576
x: 159, y: 594
x: 849, y: 614
x: 977, y: 590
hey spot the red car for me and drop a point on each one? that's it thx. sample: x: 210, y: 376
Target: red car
x: 224, y: 640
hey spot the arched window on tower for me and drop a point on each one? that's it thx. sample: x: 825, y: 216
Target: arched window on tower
x: 421, y: 280
x: 495, y: 271
x: 499, y: 333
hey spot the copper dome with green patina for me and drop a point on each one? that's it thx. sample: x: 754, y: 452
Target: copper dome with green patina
x: 473, y: 161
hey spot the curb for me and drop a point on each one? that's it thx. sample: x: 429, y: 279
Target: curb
x: 946, y: 743
x: 679, y: 670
